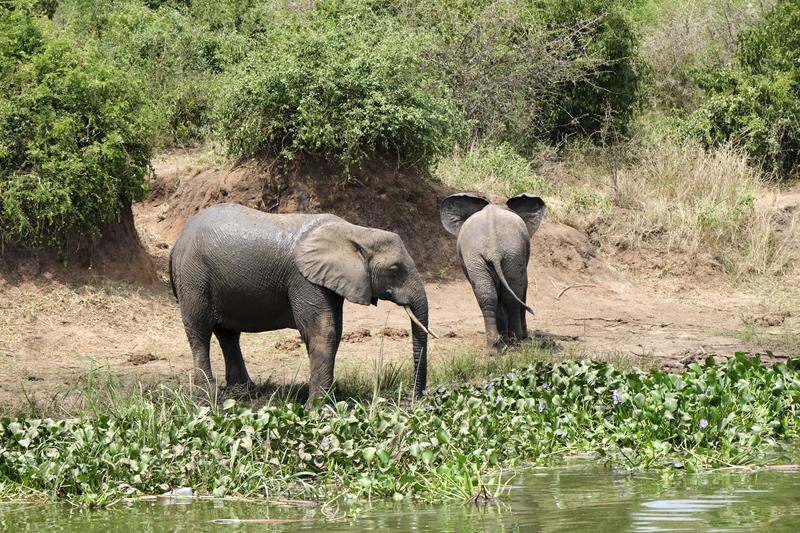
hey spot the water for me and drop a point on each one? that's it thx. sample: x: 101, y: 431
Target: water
x: 577, y: 498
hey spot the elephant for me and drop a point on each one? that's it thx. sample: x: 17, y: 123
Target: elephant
x: 493, y: 248
x: 234, y: 269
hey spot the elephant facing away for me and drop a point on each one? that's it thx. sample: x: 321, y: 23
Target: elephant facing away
x: 493, y: 248
x: 235, y: 269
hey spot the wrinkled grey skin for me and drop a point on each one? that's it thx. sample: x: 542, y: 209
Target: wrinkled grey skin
x: 235, y: 269
x: 493, y: 246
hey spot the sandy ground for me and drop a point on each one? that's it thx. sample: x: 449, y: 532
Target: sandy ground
x: 51, y: 334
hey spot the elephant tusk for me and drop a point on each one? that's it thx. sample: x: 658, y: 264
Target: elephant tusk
x: 416, y: 321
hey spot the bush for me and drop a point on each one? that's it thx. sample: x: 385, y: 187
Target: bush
x: 526, y: 72
x: 74, y: 136
x: 603, y: 41
x: 490, y: 169
x: 340, y: 82
x: 684, y: 36
x: 177, y: 56
x: 756, y: 102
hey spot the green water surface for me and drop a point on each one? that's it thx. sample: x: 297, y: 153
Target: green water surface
x: 576, y: 498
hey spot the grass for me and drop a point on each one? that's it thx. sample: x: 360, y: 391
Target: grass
x: 675, y: 206
x: 441, y: 447
x: 779, y: 342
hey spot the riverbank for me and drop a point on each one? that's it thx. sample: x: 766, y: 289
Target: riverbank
x: 445, y: 446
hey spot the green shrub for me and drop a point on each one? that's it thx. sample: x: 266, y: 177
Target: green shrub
x: 177, y: 57
x: 490, y: 169
x: 340, y: 82
x: 756, y: 102
x: 609, y: 87
x: 74, y: 136
x: 526, y: 72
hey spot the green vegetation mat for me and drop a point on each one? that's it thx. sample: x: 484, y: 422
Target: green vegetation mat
x: 442, y: 447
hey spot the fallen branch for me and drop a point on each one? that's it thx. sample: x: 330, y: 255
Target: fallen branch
x: 568, y: 287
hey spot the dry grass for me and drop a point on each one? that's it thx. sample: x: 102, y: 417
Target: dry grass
x: 676, y: 208
x: 681, y: 200
x: 489, y: 170
x: 678, y: 36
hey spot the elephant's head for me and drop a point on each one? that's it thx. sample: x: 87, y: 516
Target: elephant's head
x: 365, y: 265
x: 457, y: 208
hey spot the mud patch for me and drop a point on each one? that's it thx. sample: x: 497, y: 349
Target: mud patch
x: 358, y: 335
x: 136, y: 359
x: 118, y: 254
x: 288, y: 345
x: 394, y: 333
x: 769, y: 319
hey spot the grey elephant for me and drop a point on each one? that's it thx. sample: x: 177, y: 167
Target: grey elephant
x: 234, y: 269
x: 493, y: 248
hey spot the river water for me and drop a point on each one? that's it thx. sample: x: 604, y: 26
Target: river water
x: 572, y: 498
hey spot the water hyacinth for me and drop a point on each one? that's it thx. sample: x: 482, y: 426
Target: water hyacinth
x: 616, y: 398
x: 152, y: 442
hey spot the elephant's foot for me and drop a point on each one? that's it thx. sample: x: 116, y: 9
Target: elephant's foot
x: 204, y: 384
x: 496, y: 348
x: 239, y: 390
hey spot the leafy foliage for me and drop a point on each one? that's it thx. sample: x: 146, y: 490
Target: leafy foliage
x: 74, y: 135
x: 603, y: 39
x: 176, y: 53
x: 756, y: 102
x: 711, y: 415
x: 496, y: 168
x: 340, y: 82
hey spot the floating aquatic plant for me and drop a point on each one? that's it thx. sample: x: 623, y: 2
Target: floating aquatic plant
x: 440, y: 447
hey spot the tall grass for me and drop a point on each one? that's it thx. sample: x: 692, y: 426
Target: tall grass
x: 673, y: 204
x: 683, y: 202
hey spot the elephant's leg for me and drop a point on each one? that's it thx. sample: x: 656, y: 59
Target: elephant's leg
x: 488, y: 302
x: 523, y: 314
x: 502, y: 319
x: 235, y: 370
x: 514, y: 323
x: 322, y: 332
x: 200, y: 341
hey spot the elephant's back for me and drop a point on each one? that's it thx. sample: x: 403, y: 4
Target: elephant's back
x: 244, y: 221
x: 494, y: 227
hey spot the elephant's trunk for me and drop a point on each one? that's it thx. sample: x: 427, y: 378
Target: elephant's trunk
x: 418, y: 307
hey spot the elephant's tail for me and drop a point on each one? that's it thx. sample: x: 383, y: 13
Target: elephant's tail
x: 499, y: 270
x: 171, y: 277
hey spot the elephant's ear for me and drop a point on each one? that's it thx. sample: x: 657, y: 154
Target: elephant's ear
x: 329, y: 255
x: 530, y: 208
x: 457, y: 208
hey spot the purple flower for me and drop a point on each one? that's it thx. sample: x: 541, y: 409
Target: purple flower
x: 499, y: 399
x: 542, y: 406
x: 326, y: 440
x: 703, y: 423
x: 431, y: 408
x: 489, y: 386
x: 546, y: 386
x: 616, y: 397
x: 442, y: 389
